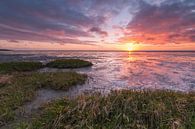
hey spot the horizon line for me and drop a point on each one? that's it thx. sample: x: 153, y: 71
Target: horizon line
x: 100, y: 50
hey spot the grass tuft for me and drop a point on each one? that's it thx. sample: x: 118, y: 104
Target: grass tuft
x: 23, y: 88
x: 122, y: 110
x: 69, y: 63
x: 8, y: 67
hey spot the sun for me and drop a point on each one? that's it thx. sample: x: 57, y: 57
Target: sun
x: 130, y: 47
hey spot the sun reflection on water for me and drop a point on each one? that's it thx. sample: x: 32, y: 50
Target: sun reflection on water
x: 130, y: 57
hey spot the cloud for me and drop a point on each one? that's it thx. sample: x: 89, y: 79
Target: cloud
x: 13, y: 34
x: 45, y: 21
x: 76, y: 21
x: 169, y: 22
x: 99, y: 31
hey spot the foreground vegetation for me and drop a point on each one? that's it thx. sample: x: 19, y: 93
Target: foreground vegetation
x: 8, y: 67
x: 69, y: 63
x: 120, y: 110
x: 22, y: 88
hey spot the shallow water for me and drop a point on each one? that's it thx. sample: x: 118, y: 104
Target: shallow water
x: 124, y: 70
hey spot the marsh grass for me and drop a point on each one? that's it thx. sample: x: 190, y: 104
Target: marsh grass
x: 120, y: 110
x: 8, y: 67
x: 24, y: 86
x: 5, y: 80
x: 69, y: 63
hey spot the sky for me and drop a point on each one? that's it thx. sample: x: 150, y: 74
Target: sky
x: 97, y: 24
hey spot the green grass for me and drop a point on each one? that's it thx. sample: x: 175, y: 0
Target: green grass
x: 24, y: 86
x: 8, y: 67
x: 69, y: 63
x: 120, y: 110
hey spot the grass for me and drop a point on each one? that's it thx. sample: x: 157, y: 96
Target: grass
x: 23, y: 88
x: 69, y: 63
x: 8, y: 67
x: 120, y: 110
x: 4, y: 80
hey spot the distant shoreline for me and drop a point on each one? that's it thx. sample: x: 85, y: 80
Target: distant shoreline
x: 107, y: 50
x: 5, y: 50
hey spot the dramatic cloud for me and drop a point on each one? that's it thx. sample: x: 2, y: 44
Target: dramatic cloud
x: 93, y: 21
x: 170, y: 22
x: 45, y: 20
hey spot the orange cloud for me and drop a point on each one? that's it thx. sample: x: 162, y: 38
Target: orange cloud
x: 171, y: 22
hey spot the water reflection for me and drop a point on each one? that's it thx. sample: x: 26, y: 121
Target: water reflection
x: 131, y: 58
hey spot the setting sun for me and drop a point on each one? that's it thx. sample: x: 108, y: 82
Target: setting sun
x: 130, y: 47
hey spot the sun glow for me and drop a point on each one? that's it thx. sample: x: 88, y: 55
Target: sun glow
x: 130, y: 47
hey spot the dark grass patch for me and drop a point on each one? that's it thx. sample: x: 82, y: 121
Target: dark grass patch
x: 8, y: 67
x: 69, y: 63
x: 122, y: 110
x: 24, y: 86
